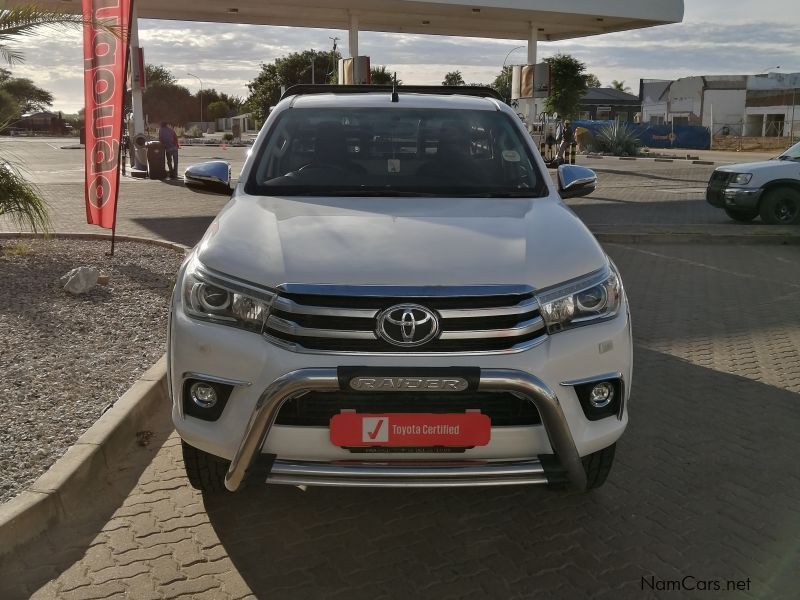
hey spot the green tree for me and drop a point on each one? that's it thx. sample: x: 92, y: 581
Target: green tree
x: 19, y: 200
x: 502, y: 83
x: 592, y: 81
x: 158, y: 75
x: 218, y: 110
x: 76, y: 120
x: 382, y: 76
x: 296, y: 68
x: 209, y: 97
x: 453, y: 78
x: 620, y: 85
x: 28, y: 96
x: 568, y: 83
x: 9, y: 109
x: 234, y: 102
x: 164, y: 100
x: 170, y: 102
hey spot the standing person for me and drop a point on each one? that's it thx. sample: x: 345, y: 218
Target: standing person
x: 169, y: 139
x: 562, y: 133
x: 567, y: 138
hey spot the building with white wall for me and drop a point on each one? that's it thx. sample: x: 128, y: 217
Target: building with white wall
x: 771, y: 108
x: 653, y: 94
x: 750, y: 105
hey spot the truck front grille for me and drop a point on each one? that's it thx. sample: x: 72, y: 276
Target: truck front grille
x: 486, y: 319
x: 315, y: 409
x: 716, y: 186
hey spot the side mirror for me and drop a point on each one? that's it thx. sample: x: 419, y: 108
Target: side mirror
x: 213, y: 177
x: 575, y: 181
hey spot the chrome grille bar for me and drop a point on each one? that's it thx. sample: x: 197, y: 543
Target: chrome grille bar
x: 522, y: 329
x: 522, y: 308
x: 290, y: 306
x: 292, y: 328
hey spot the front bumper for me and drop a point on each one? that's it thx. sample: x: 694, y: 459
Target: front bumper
x: 265, y: 375
x: 403, y: 473
x: 734, y: 198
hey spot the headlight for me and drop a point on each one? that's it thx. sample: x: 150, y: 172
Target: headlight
x: 212, y: 297
x: 742, y: 178
x: 596, y: 297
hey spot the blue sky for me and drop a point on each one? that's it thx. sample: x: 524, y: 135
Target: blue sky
x: 716, y: 37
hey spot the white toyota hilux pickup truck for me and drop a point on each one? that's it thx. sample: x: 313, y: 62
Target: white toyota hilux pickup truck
x: 396, y: 295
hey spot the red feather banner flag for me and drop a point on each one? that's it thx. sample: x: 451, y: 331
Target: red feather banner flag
x: 105, y: 59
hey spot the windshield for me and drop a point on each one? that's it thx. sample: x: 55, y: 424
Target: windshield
x: 793, y: 153
x: 394, y: 152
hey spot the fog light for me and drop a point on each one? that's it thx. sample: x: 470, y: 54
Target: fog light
x: 203, y: 394
x: 601, y: 395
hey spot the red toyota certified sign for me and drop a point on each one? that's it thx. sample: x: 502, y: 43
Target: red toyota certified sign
x: 462, y: 430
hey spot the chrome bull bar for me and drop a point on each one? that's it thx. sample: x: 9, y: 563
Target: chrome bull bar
x: 406, y: 473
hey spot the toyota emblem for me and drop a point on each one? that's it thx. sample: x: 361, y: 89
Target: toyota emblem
x: 407, y: 325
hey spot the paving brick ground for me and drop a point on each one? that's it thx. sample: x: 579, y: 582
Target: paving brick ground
x: 705, y: 486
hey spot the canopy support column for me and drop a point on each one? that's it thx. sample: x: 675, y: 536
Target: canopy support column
x: 533, y: 41
x: 136, y: 92
x: 353, y: 42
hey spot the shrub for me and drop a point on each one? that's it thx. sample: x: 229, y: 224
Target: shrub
x: 195, y: 132
x: 21, y: 201
x: 228, y: 137
x: 618, y: 139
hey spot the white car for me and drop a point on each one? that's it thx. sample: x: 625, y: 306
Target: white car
x: 769, y: 188
x: 396, y: 295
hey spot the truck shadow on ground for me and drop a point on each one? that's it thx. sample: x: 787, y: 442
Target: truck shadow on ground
x: 602, y: 210
x: 182, y: 230
x: 694, y: 473
x: 33, y: 564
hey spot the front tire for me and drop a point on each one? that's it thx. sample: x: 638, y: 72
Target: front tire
x: 597, y: 466
x: 743, y: 216
x: 781, y: 206
x: 205, y: 471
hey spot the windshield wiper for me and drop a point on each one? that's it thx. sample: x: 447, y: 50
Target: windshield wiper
x: 315, y: 191
x: 377, y: 193
x: 529, y: 193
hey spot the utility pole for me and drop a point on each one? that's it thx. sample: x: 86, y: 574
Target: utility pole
x: 333, y: 56
x: 201, y: 96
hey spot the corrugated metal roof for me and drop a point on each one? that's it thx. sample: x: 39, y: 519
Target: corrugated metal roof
x: 609, y: 95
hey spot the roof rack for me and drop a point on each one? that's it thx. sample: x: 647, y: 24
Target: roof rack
x: 448, y: 90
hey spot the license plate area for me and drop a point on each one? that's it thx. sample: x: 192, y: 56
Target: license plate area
x: 410, y: 432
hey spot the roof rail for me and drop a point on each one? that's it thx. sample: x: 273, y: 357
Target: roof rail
x: 449, y: 90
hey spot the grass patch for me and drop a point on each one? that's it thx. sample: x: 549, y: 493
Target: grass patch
x: 15, y: 249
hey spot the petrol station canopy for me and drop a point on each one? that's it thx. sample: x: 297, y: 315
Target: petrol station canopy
x: 551, y: 20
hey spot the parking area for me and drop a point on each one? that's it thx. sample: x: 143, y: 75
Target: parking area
x: 703, y: 492
x: 641, y: 196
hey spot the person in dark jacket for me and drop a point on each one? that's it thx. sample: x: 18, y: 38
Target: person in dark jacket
x: 168, y: 139
x: 566, y: 137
